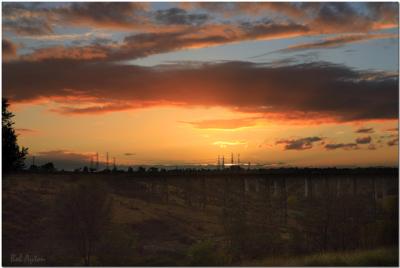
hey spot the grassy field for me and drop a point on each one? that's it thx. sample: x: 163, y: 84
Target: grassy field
x: 375, y: 257
x: 146, y: 228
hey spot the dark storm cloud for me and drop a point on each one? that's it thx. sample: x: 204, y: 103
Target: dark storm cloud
x: 341, y: 93
x: 179, y: 16
x: 365, y: 130
x: 299, y: 144
x: 345, y: 146
x: 363, y: 140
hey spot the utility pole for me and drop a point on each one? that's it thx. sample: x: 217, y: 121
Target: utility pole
x: 232, y: 158
x: 91, y: 162
x: 223, y: 162
x: 238, y: 159
x: 97, y: 161
x: 219, y: 163
x: 107, y: 161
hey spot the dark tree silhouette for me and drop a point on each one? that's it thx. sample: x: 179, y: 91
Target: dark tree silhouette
x: 13, y: 155
x: 48, y: 167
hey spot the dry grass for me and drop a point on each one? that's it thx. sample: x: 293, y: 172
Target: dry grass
x: 375, y: 257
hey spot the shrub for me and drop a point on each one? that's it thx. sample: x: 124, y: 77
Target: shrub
x: 82, y: 214
x: 204, y: 253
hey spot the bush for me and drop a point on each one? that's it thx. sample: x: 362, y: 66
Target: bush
x: 82, y: 213
x: 118, y: 247
x: 377, y: 257
x: 204, y: 253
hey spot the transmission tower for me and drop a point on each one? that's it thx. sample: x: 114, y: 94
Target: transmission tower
x: 107, y: 161
x: 97, y: 161
x: 91, y: 162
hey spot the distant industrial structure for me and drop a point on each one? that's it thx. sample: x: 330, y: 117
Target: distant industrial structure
x: 95, y: 163
x: 233, y: 165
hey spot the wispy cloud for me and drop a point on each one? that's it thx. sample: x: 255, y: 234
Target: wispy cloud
x: 344, y: 146
x: 225, y: 123
x: 299, y: 144
x: 365, y: 130
x: 337, y: 41
x: 224, y: 144
x: 26, y: 131
x: 363, y: 140
x: 393, y: 142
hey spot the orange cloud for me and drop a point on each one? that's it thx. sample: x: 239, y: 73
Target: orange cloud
x: 224, y: 144
x: 73, y: 53
x: 173, y: 29
x: 225, y: 123
x: 339, y: 41
x: 144, y: 44
x: 9, y: 49
x: 26, y: 131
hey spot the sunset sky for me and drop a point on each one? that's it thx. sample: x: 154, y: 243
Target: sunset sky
x: 283, y: 84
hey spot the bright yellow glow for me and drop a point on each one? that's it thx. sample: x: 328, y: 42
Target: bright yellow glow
x: 159, y: 135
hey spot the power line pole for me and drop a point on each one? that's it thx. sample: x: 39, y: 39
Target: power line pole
x: 107, y: 161
x: 97, y: 161
x: 232, y: 158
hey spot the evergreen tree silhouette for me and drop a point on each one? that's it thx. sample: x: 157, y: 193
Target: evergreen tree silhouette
x: 13, y: 155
